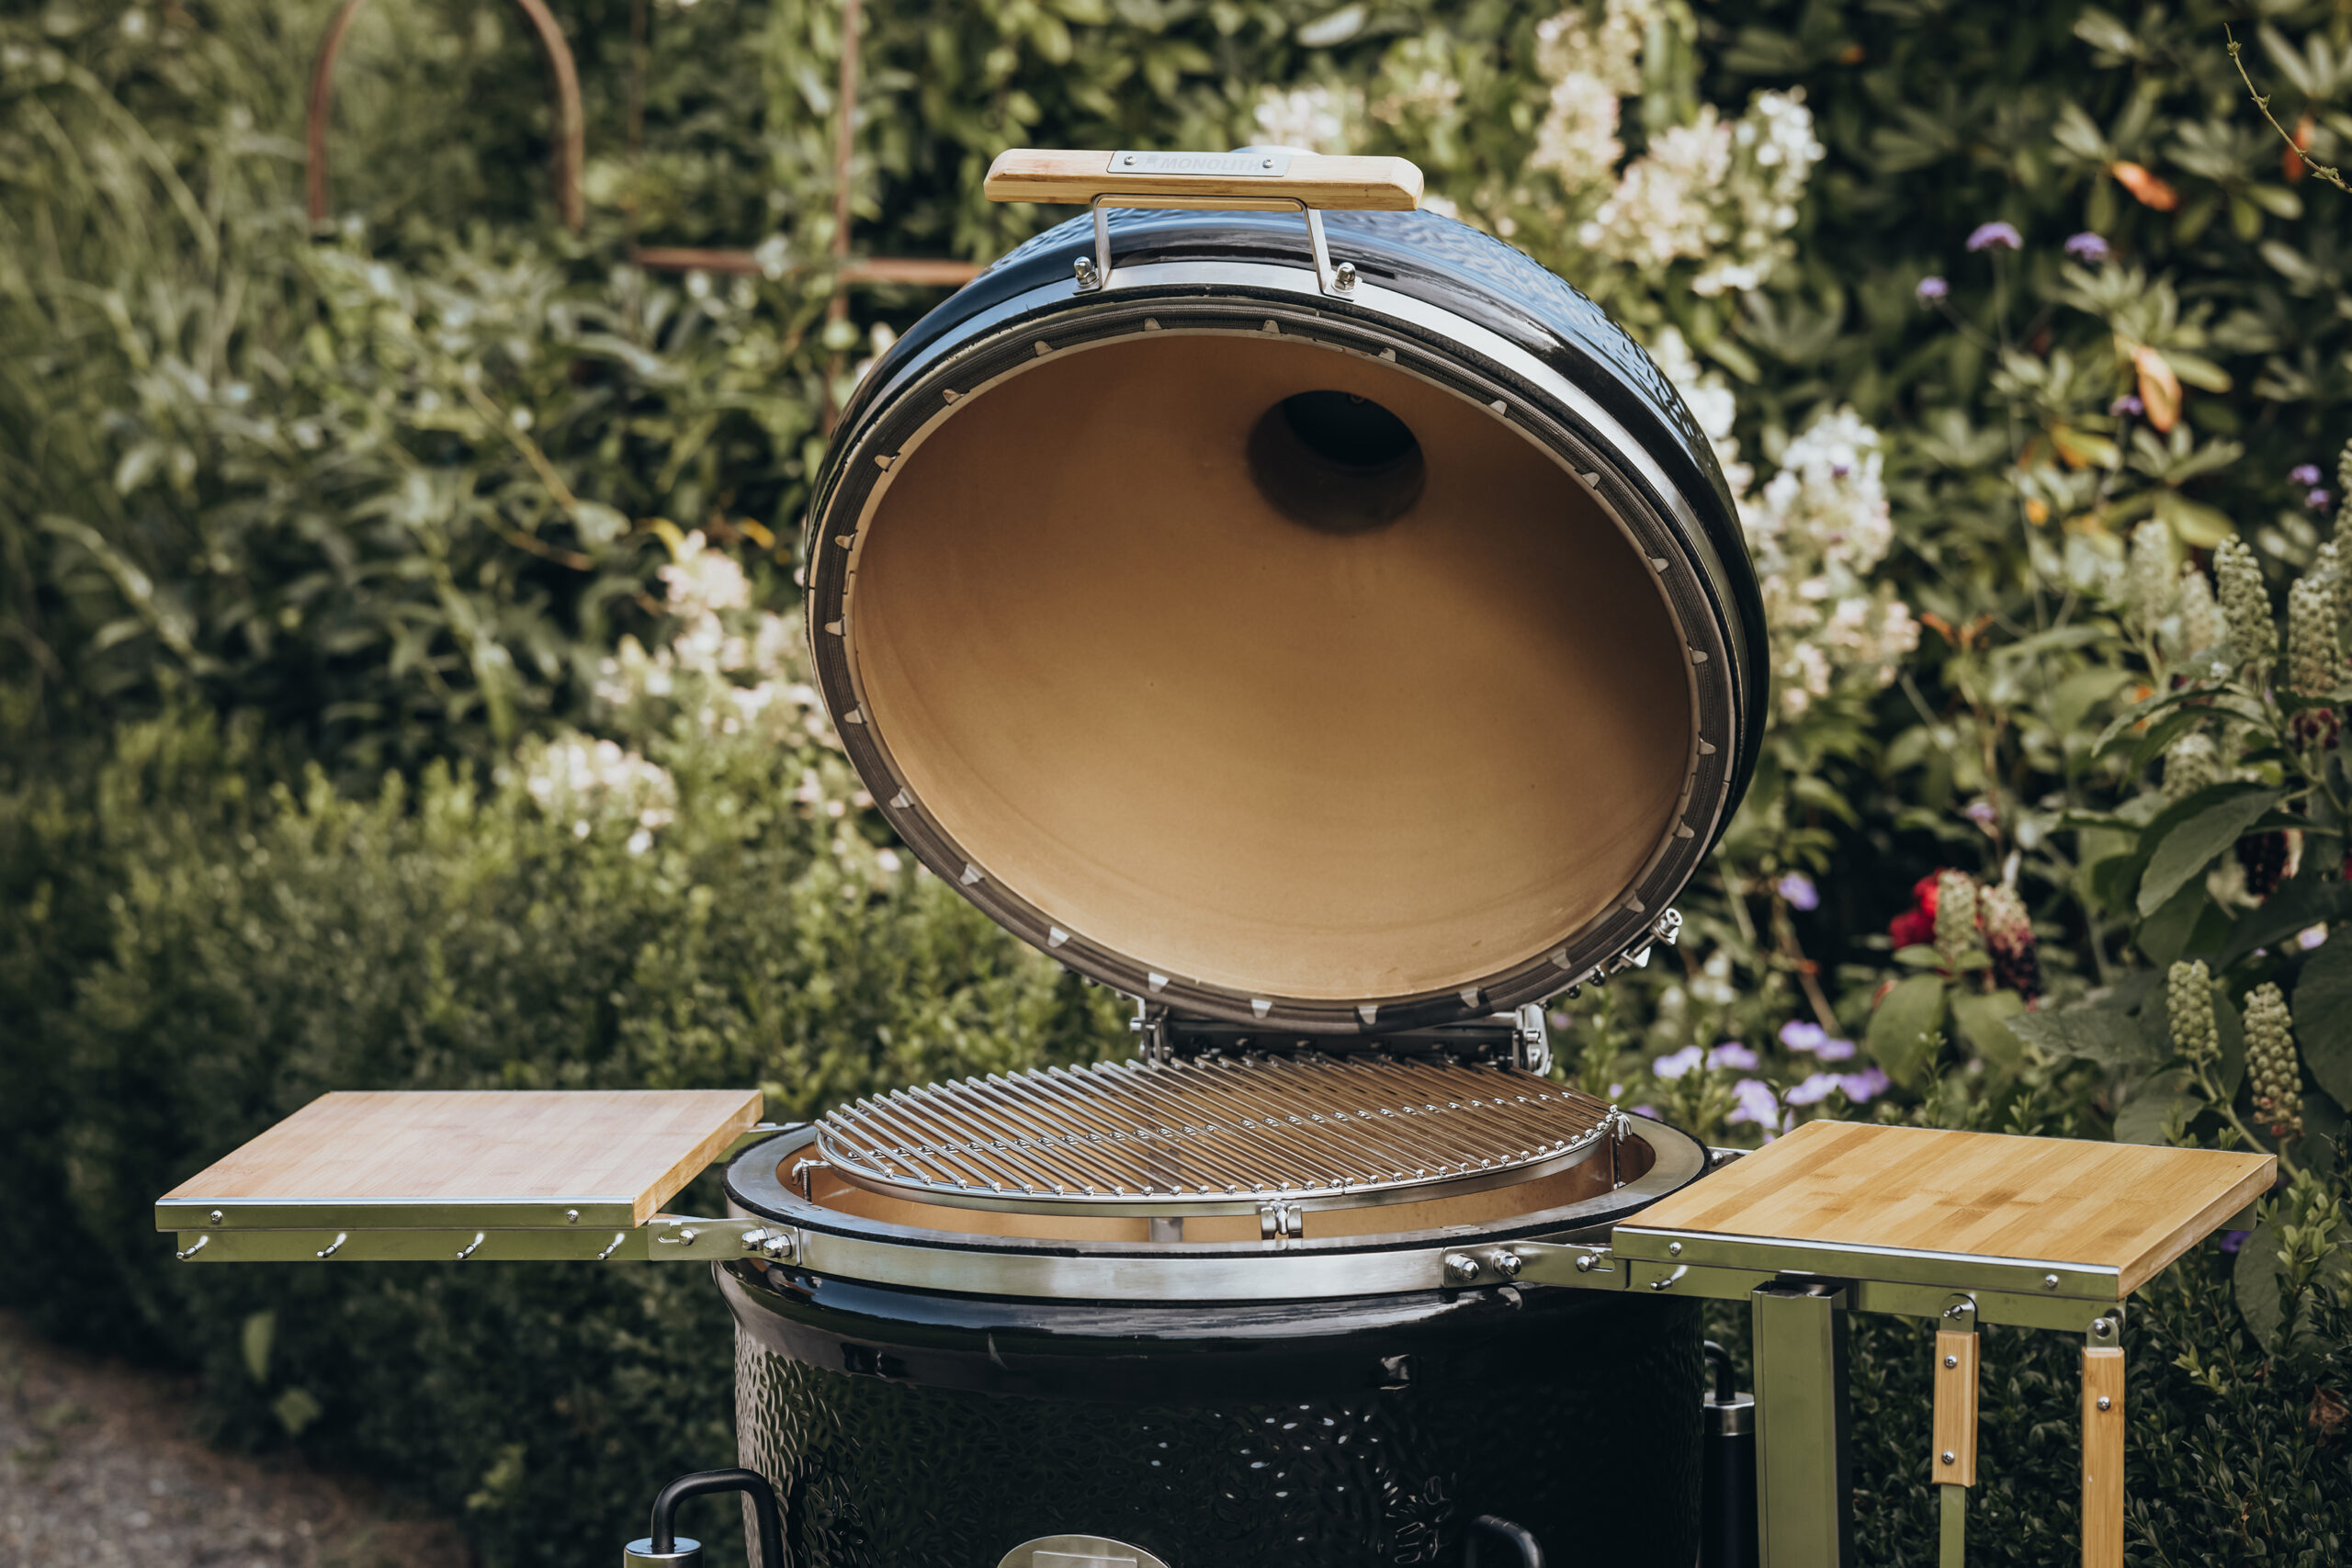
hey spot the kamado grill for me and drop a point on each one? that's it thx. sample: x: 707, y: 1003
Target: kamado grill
x: 1332, y: 632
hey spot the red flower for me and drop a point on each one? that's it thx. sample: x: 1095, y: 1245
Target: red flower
x: 1915, y: 927
x: 1923, y: 893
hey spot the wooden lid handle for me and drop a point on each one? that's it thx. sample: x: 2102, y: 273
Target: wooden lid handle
x: 1207, y: 179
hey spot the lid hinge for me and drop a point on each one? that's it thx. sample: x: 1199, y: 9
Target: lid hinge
x: 1517, y: 1039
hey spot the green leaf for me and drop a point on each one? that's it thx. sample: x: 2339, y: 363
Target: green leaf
x: 1986, y: 1023
x: 2322, y: 1006
x: 2188, y: 849
x: 2196, y: 523
x: 2144, y: 1117
x: 2307, y: 901
x: 2323, y: 1132
x: 295, y: 1409
x: 2075, y: 695
x: 1898, y: 1034
x: 2255, y: 1280
x: 2104, y: 1034
x: 2165, y: 937
x: 2163, y: 733
x: 260, y: 1329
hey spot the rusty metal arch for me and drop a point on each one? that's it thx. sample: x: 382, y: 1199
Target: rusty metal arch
x: 571, y: 132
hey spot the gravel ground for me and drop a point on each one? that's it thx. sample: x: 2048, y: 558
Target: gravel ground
x: 96, y: 1472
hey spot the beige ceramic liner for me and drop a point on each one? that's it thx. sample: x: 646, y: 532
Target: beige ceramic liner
x: 1246, y: 753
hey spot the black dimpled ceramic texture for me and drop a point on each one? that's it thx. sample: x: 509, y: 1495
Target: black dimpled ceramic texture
x: 1581, y: 1424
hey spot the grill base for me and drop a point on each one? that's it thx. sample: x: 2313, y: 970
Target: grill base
x: 910, y: 1430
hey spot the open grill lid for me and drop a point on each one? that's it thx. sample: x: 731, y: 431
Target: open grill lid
x: 1328, y: 660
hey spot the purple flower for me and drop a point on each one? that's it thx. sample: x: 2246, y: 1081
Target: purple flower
x: 1982, y: 813
x: 2316, y: 500
x: 1989, y: 235
x: 2312, y: 937
x: 1731, y: 1054
x: 2087, y: 246
x: 1752, y: 1101
x: 1836, y: 1050
x: 1648, y: 1111
x: 1615, y: 1090
x: 1798, y: 1035
x: 1863, y: 1086
x: 1813, y: 1091
x: 2305, y: 474
x: 1932, y: 290
x: 2232, y: 1240
x: 2128, y: 406
x: 1677, y: 1064
x: 1799, y: 890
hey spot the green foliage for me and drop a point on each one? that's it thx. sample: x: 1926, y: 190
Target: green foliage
x: 200, y: 958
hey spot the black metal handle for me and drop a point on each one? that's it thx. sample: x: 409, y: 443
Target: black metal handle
x: 1719, y: 1360
x: 1529, y: 1554
x: 764, y: 1508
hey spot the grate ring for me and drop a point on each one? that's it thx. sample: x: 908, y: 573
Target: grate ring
x: 1212, y: 1135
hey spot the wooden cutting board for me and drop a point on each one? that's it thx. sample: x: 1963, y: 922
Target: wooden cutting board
x: 516, y: 1158
x: 2127, y: 1207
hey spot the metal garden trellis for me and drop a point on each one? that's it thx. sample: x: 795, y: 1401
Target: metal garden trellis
x: 571, y: 138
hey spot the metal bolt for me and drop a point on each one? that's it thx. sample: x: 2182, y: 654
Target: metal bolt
x: 1460, y: 1268
x: 1951, y: 1361
x: 216, y: 1216
x: 1584, y: 1262
x: 2103, y: 1328
x: 1131, y: 160
x: 1674, y: 1249
x: 571, y: 1216
x: 1265, y: 163
x: 2105, y: 1402
x: 779, y: 1246
x: 2050, y: 1282
x: 1951, y: 1458
x: 1343, y: 277
x: 1507, y: 1263
x: 1086, y: 272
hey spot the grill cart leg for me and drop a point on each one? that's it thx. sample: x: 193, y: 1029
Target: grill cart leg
x: 1802, y: 1483
x: 1727, y: 1485
x: 2103, y: 1445
x: 1953, y: 1462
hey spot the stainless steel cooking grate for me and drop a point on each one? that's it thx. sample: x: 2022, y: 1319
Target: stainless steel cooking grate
x: 1212, y: 1135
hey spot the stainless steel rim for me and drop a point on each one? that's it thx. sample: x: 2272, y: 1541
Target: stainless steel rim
x: 825, y: 1242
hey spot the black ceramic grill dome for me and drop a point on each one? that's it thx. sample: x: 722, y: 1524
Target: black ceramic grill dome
x: 1344, y: 665
x: 1331, y: 670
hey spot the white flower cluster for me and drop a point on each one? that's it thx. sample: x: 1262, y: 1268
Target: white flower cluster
x: 1723, y: 193
x: 591, y: 782
x: 1709, y: 401
x: 706, y: 663
x: 1816, y: 531
x: 1589, y: 67
x: 1318, y: 118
